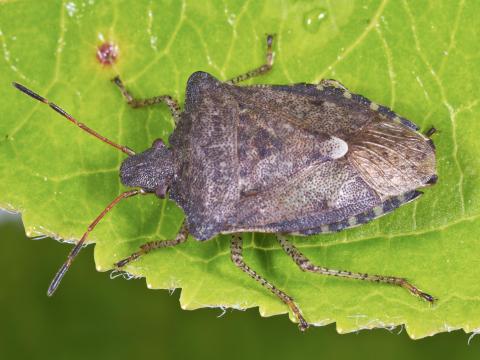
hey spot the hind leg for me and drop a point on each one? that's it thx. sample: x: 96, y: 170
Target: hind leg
x: 306, y: 265
x: 430, y: 132
x: 333, y: 83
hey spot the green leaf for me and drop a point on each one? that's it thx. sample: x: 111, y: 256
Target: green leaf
x: 418, y: 57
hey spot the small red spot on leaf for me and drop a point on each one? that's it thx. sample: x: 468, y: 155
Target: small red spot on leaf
x: 107, y: 53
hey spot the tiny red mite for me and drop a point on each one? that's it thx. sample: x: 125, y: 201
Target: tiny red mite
x: 107, y: 53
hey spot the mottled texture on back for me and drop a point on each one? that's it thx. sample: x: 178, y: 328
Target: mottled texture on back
x: 299, y: 159
x: 289, y: 158
x: 320, y: 193
x: 307, y: 107
x: 205, y: 184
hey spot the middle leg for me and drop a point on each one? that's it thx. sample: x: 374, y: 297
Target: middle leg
x: 261, y: 69
x: 237, y: 258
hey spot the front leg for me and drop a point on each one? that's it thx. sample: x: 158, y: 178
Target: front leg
x: 137, y: 103
x: 152, y: 245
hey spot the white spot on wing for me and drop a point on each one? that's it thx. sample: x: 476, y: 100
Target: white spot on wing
x: 337, y: 147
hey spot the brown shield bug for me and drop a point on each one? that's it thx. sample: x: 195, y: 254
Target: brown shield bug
x: 285, y: 159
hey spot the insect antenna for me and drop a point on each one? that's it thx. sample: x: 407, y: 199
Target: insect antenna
x: 66, y: 265
x: 82, y: 126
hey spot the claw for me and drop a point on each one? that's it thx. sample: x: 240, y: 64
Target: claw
x: 417, y: 292
x: 303, y: 324
x: 121, y: 263
x: 118, y: 265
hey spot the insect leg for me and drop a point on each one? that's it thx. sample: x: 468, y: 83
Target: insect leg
x: 430, y: 132
x: 237, y: 258
x: 260, y: 70
x: 137, y: 103
x: 152, y: 245
x: 333, y: 83
x: 306, y: 265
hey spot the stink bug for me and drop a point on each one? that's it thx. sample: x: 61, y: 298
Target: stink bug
x: 285, y: 159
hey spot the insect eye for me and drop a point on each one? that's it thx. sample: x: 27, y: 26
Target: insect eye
x: 161, y: 191
x: 158, y: 144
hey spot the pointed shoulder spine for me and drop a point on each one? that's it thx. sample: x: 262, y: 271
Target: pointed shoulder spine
x: 201, y: 79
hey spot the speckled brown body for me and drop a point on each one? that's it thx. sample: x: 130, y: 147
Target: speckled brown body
x: 299, y: 159
x: 293, y: 159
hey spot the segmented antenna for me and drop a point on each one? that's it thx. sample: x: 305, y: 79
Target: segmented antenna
x: 73, y: 254
x: 64, y: 268
x: 82, y: 126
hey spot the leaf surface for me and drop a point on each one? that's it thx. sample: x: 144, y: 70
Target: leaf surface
x: 418, y: 57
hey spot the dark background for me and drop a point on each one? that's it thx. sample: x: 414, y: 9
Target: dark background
x: 124, y: 320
